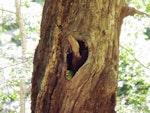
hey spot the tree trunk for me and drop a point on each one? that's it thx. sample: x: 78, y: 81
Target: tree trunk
x: 81, y: 36
x: 20, y: 22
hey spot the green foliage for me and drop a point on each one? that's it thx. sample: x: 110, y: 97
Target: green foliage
x: 148, y: 7
x: 147, y: 33
x: 12, y: 68
x: 132, y: 87
x: 6, y: 100
x: 39, y: 1
x: 140, y: 4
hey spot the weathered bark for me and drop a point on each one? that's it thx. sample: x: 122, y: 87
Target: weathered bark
x: 94, y: 27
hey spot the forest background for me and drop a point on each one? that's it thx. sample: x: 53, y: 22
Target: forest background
x: 19, y: 36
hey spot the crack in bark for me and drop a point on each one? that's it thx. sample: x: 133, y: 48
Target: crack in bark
x: 73, y: 107
x: 52, y: 92
x: 82, y: 87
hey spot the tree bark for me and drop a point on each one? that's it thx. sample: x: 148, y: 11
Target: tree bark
x: 19, y: 20
x: 81, y: 36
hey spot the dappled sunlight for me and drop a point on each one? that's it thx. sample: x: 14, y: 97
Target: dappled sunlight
x: 134, y: 76
x: 12, y: 67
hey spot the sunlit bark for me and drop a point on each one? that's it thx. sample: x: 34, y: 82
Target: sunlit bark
x: 81, y: 36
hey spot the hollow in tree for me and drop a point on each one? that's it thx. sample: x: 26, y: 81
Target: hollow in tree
x: 81, y: 36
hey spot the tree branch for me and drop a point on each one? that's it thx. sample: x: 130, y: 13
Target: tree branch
x: 127, y: 10
x: 8, y: 11
x: 16, y: 64
x: 132, y: 11
x: 135, y: 58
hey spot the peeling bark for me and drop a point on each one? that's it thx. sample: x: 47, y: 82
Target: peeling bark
x: 91, y: 52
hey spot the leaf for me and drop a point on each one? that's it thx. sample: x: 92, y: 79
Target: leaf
x: 148, y: 8
x: 147, y: 33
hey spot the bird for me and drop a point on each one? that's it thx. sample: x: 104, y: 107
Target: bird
x: 69, y: 74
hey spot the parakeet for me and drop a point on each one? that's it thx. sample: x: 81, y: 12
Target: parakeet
x: 69, y: 74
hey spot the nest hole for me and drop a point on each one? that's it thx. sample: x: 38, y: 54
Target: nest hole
x: 74, y: 63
